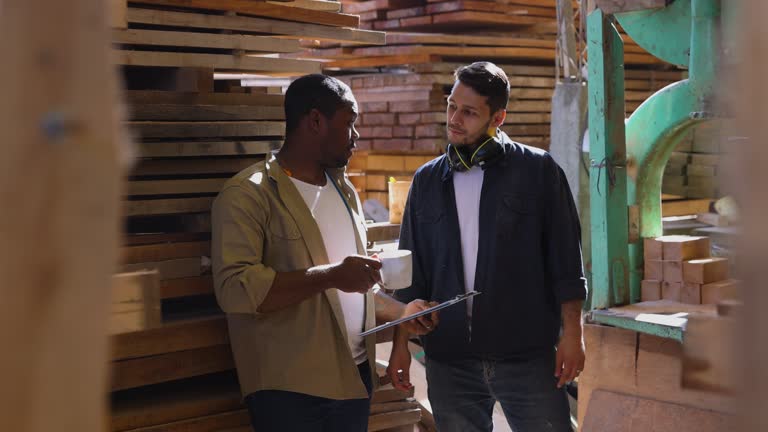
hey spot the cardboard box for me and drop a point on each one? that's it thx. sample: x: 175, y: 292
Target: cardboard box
x: 706, y: 270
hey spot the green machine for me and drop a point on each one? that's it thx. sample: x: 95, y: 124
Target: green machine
x: 628, y: 157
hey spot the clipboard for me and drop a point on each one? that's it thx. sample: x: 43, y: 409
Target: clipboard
x: 443, y: 305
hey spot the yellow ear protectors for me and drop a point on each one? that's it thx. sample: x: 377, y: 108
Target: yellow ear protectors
x: 485, y: 154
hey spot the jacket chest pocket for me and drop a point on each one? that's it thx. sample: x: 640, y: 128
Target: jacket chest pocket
x: 284, y: 227
x: 513, y: 215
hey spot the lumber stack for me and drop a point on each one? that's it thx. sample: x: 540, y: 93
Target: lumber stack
x: 697, y: 167
x: 499, y: 20
x: 680, y: 268
x: 627, y: 371
x: 393, y: 410
x: 194, y: 131
x: 402, y: 86
x: 442, y: 15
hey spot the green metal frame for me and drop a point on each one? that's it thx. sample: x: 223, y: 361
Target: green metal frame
x: 607, y: 177
x: 685, y: 32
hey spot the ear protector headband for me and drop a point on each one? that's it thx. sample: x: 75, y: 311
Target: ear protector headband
x: 462, y: 158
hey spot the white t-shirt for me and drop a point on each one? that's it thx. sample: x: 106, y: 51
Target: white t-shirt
x: 467, y: 186
x: 336, y: 226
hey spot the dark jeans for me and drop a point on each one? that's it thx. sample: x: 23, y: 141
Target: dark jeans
x: 283, y: 411
x: 462, y: 394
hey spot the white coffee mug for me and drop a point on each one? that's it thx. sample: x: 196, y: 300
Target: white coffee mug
x: 396, y: 269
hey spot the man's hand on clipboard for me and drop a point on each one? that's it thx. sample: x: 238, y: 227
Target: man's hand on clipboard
x: 423, y: 324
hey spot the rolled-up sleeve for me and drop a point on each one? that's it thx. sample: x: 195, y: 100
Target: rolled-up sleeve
x: 241, y: 280
x: 409, y: 241
x: 562, y: 235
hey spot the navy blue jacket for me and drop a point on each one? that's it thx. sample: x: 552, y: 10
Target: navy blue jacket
x: 528, y: 263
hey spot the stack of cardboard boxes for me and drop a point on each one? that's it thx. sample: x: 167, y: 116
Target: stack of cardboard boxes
x: 680, y: 268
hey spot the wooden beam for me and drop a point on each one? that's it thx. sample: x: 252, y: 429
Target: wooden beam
x: 220, y: 62
x: 135, y: 302
x: 263, y: 9
x: 485, y: 18
x: 387, y: 393
x: 172, y: 187
x: 685, y: 207
x: 227, y: 421
x: 206, y: 148
x: 146, y: 239
x: 117, y: 13
x: 185, y: 129
x: 438, y: 38
x: 372, y: 5
x: 144, y: 371
x: 155, y: 207
x: 58, y: 119
x: 255, y: 25
x: 485, y: 6
x: 205, y: 40
x: 164, y: 251
x: 171, y: 269
x: 447, y: 51
x: 168, y: 167
x: 158, y: 112
x: 183, y: 287
x: 378, y: 422
x: 152, y: 97
x: 323, y: 5
x: 175, y: 401
x: 181, y: 336
x: 618, y: 6
x: 382, y: 61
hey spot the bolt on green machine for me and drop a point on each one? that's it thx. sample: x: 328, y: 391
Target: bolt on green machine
x: 628, y: 157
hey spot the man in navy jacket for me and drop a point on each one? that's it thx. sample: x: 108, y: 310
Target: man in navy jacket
x: 494, y: 216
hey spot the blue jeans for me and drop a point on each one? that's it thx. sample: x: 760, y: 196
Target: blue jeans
x: 462, y: 394
x: 284, y: 411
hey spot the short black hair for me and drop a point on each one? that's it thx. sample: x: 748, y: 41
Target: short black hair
x: 316, y: 91
x: 488, y: 80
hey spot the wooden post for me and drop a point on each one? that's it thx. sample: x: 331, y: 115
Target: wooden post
x: 60, y: 180
x: 749, y: 95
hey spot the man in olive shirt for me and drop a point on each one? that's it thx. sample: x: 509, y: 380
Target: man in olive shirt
x: 292, y: 275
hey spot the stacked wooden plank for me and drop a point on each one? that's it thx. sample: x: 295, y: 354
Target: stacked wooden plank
x: 499, y: 20
x: 680, y: 268
x: 135, y: 302
x: 696, y: 167
x: 393, y: 410
x: 402, y: 86
x: 439, y: 14
x: 642, y: 374
x: 194, y: 132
